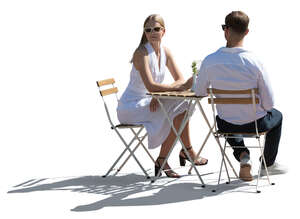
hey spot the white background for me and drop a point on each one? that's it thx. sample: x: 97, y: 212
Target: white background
x: 52, y: 121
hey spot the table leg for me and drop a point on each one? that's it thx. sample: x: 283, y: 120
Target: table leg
x: 218, y: 142
x: 183, y: 123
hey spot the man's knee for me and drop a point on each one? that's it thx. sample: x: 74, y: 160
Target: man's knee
x: 278, y: 115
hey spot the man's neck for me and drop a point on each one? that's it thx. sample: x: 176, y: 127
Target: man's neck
x: 234, y: 44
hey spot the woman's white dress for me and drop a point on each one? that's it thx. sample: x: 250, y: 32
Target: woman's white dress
x: 133, y: 106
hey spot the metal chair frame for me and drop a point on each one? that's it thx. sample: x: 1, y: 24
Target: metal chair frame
x: 137, y: 133
x: 218, y: 134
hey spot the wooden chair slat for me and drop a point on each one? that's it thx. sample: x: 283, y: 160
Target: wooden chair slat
x: 109, y: 91
x: 233, y: 100
x: 218, y: 91
x: 105, y: 82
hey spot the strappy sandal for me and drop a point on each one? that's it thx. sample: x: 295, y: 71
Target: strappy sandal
x: 183, y: 159
x: 169, y: 173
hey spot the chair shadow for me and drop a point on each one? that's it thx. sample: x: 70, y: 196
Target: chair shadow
x: 120, y: 190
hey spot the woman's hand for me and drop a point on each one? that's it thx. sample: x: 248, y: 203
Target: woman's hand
x: 177, y: 85
x: 184, y: 86
x: 154, y: 105
x: 188, y: 84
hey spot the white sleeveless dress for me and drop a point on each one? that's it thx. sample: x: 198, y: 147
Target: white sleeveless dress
x: 134, y: 105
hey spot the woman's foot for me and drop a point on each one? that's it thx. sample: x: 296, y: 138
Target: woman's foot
x: 168, y: 171
x: 183, y: 158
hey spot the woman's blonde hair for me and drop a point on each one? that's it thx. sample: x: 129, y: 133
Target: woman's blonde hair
x: 154, y: 17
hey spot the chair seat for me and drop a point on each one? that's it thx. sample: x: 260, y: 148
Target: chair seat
x: 240, y: 133
x: 123, y: 126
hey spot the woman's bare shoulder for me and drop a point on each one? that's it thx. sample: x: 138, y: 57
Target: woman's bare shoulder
x: 167, y: 51
x: 140, y: 53
x: 141, y: 50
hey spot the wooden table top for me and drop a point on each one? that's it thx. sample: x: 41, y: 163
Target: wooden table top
x: 187, y: 93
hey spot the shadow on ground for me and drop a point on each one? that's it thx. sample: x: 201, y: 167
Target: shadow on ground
x: 127, y: 190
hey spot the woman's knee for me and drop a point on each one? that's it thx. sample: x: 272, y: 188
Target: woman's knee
x: 178, y: 119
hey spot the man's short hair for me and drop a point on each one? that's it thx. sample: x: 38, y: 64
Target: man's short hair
x: 238, y: 21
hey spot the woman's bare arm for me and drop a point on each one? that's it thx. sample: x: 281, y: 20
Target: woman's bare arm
x: 173, y: 68
x: 141, y: 63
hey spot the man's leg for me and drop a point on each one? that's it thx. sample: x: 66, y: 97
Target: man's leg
x: 241, y: 153
x: 272, y: 122
x: 236, y: 141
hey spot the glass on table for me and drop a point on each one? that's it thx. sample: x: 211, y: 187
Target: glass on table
x: 196, y: 68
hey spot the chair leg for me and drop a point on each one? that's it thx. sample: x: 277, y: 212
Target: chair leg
x: 121, y: 155
x: 222, y: 162
x: 230, y: 164
x: 200, y: 150
x: 115, y: 163
x: 119, y: 169
x: 227, y: 172
x: 148, y: 153
x: 140, y: 142
x: 131, y: 154
x: 262, y: 162
x: 224, y: 159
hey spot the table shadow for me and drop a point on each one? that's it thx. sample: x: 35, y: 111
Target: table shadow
x: 122, y: 189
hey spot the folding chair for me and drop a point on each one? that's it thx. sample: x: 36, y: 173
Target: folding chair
x: 137, y: 134
x: 241, y: 97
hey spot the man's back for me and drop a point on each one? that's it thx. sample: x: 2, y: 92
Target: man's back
x: 235, y: 69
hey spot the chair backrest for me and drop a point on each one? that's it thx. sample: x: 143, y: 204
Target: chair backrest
x: 107, y: 92
x: 250, y: 99
x: 227, y: 100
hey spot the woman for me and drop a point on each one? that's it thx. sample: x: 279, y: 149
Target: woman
x: 135, y: 107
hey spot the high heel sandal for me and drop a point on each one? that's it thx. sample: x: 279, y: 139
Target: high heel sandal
x: 169, y: 173
x: 183, y: 159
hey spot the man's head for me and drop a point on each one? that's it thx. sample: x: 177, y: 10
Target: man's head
x: 236, y: 26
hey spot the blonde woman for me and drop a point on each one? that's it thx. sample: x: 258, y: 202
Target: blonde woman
x: 150, y: 61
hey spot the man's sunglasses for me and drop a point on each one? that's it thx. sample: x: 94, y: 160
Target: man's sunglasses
x: 156, y: 29
x: 225, y: 26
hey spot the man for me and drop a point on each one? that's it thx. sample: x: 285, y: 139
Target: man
x: 234, y: 68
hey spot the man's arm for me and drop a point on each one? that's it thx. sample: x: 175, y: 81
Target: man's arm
x: 265, y: 90
x: 202, y: 81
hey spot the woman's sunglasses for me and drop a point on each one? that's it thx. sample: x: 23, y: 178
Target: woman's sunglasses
x: 156, y: 29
